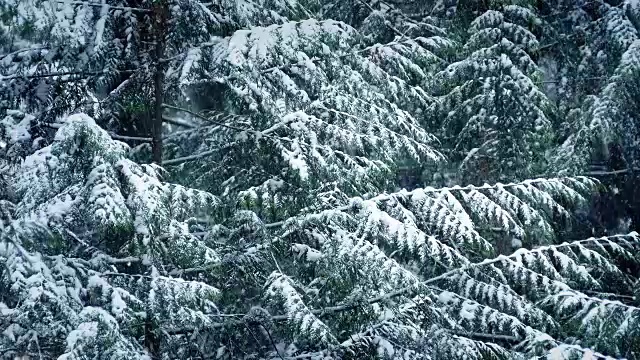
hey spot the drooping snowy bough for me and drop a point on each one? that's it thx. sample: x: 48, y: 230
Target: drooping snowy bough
x: 102, y: 257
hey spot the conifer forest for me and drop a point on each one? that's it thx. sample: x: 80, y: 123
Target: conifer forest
x: 319, y: 179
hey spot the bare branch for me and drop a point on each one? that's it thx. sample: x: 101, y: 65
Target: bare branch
x: 184, y: 159
x: 85, y: 74
x: 614, y: 172
x: 483, y: 336
x: 87, y: 3
x: 177, y: 122
x: 130, y: 138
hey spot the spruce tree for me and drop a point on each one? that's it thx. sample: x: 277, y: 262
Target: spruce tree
x: 492, y: 108
x: 277, y: 227
x: 595, y: 82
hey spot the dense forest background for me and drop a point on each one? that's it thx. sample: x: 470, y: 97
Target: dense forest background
x: 305, y: 179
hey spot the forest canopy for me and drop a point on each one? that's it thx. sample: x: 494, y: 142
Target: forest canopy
x: 306, y: 179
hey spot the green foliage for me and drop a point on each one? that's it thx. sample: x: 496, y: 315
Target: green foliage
x: 285, y: 232
x: 493, y: 111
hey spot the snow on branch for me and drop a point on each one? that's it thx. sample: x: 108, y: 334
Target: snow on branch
x: 104, y: 5
x: 525, y: 188
x: 64, y: 74
x: 440, y: 212
x: 503, y: 258
x: 297, y: 312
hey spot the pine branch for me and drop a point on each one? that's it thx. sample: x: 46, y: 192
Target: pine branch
x: 593, y: 23
x: 131, y: 138
x: 85, y: 74
x: 178, y: 122
x: 520, y: 252
x: 279, y: 318
x: 257, y: 133
x: 380, y: 128
x: 286, y: 66
x: 126, y: 260
x: 113, y: 135
x: 558, y: 81
x: 410, y: 20
x: 405, y: 193
x: 403, y: 291
x: 181, y: 272
x: 386, y: 23
x: 608, y: 295
x: 232, y: 127
x: 22, y: 50
x: 184, y: 159
x: 87, y: 3
x: 184, y: 53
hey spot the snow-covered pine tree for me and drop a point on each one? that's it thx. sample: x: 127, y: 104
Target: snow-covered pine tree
x: 106, y: 244
x: 315, y: 117
x: 416, y: 24
x: 273, y: 198
x: 58, y: 54
x: 382, y: 21
x: 596, y: 81
x: 309, y: 251
x: 81, y: 245
x: 492, y: 109
x: 260, y: 257
x: 113, y: 59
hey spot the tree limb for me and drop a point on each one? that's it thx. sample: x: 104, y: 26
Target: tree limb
x: 403, y: 291
x: 614, y: 172
x: 124, y: 8
x: 61, y: 73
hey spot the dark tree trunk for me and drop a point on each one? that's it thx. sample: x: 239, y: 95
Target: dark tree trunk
x: 151, y: 341
x: 160, y: 15
x: 503, y: 244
